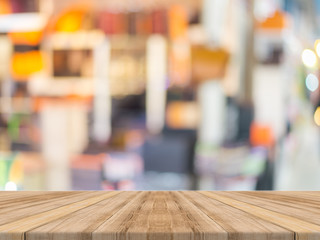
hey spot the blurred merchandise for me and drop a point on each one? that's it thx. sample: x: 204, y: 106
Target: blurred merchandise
x: 72, y: 63
x: 87, y: 172
x: 22, y: 171
x: 208, y: 63
x: 164, y: 181
x: 171, y: 152
x: 229, y: 168
x: 11, y: 172
x: 122, y: 166
x: 34, y: 170
x: 127, y: 69
x: 113, y: 171
x: 239, y: 117
x: 182, y: 115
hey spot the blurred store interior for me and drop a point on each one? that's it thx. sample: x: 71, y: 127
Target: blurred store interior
x: 159, y: 94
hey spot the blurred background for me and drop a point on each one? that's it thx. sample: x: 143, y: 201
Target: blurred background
x: 159, y: 95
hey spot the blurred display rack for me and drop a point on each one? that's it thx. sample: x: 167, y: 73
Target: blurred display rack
x: 74, y: 41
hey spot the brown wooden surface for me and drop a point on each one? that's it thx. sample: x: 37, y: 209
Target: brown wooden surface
x: 181, y: 215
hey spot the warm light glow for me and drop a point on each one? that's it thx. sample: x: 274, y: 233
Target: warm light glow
x: 71, y: 19
x: 26, y: 38
x: 26, y: 63
x: 261, y: 135
x: 309, y: 58
x: 316, y: 116
x: 5, y: 7
x: 276, y: 21
x: 317, y: 47
x: 10, y: 186
x: 312, y: 82
x: 178, y: 22
x: 183, y: 115
x: 70, y: 22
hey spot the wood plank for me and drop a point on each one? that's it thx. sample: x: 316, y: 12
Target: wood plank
x: 158, y: 214
x: 239, y: 224
x: 81, y: 224
x: 308, y: 199
x: 168, y: 216
x: 303, y: 230
x: 288, y: 206
x: 16, y: 230
x: 12, y: 197
x: 39, y: 206
x: 115, y: 227
x: 28, y: 201
x: 305, y: 200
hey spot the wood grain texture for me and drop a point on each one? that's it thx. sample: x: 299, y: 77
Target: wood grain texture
x: 165, y: 215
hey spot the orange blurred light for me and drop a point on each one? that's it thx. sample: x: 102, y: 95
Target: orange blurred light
x: 26, y: 63
x: 69, y: 23
x: 178, y: 21
x: 5, y: 7
x: 317, y: 47
x: 39, y: 102
x: 71, y: 19
x: 27, y: 38
x: 277, y: 21
x: 261, y: 135
x: 316, y: 116
x: 182, y: 115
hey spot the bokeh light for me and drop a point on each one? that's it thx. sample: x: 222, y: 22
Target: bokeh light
x: 11, y: 186
x: 312, y: 82
x: 309, y: 58
x: 317, y: 116
x: 317, y: 47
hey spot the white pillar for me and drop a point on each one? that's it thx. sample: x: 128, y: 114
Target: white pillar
x: 156, y: 83
x: 102, y: 99
x: 212, y: 107
x: 55, y: 146
x: 214, y: 16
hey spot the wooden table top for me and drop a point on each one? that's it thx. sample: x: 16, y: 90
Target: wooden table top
x: 180, y: 215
